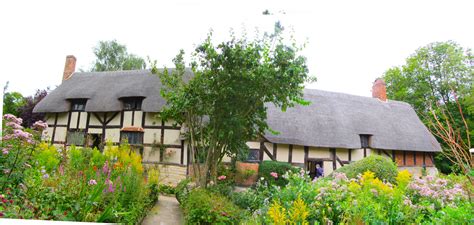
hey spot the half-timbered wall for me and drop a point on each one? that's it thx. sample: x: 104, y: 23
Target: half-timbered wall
x: 159, y: 136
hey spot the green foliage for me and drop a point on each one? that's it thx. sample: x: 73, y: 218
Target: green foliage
x: 223, y: 104
x: 80, y: 184
x: 12, y: 103
x: 113, y: 56
x: 205, y: 207
x: 434, y: 77
x: 383, y: 168
x: 182, y: 190
x: 280, y: 168
x: 166, y: 189
x: 362, y: 200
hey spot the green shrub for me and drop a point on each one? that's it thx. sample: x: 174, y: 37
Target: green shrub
x: 205, y: 207
x: 280, y: 168
x: 383, y: 168
x: 249, y: 200
x: 166, y: 189
x: 182, y: 190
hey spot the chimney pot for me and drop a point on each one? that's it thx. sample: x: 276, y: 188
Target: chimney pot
x: 69, y: 67
x: 379, y: 90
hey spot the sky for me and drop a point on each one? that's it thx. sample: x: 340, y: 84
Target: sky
x: 349, y: 43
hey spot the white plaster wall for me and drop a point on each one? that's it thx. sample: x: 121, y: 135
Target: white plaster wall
x: 254, y: 144
x: 62, y: 118
x: 73, y: 123
x: 152, y: 119
x: 152, y: 136
x: 138, y: 119
x: 60, y: 134
x: 151, y: 154
x: 358, y: 154
x: 314, y: 152
x: 172, y: 137
x: 116, y: 119
x: 94, y: 131
x: 127, y: 119
x: 83, y: 120
x: 282, y: 152
x: 297, y: 154
x: 175, y: 157
x: 94, y: 121
x: 112, y: 135
x: 327, y: 166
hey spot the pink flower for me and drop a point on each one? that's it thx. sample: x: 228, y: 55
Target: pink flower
x: 273, y: 174
x: 92, y: 182
x: 222, y: 177
x: 5, y: 151
x: 40, y: 125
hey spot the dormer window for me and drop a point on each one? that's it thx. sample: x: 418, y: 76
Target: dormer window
x: 365, y: 140
x: 78, y: 105
x: 132, y: 103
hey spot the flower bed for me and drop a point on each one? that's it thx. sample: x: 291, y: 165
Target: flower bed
x: 40, y: 181
x: 365, y: 199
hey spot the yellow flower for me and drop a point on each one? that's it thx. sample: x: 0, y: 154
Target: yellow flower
x: 367, y: 177
x: 277, y: 213
x: 354, y: 186
x: 403, y: 178
x: 153, y: 176
x: 299, y: 212
x: 381, y: 186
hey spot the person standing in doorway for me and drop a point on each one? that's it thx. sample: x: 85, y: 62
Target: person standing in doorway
x: 319, y: 171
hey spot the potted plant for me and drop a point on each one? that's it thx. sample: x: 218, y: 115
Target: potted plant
x: 247, y: 173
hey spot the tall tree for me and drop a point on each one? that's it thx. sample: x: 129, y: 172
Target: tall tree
x: 12, y: 101
x: 112, y: 56
x: 26, y: 111
x: 437, y: 78
x: 223, y: 104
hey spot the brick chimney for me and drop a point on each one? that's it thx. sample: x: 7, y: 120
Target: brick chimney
x: 69, y: 67
x: 379, y: 90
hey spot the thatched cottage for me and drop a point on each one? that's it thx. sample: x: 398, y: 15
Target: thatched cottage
x: 90, y: 108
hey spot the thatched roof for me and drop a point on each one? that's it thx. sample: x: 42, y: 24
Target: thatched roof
x: 336, y: 120
x: 103, y: 90
x: 332, y: 120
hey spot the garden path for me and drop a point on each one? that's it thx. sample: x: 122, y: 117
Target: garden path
x: 165, y: 212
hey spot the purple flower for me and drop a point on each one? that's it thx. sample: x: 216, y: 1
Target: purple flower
x: 45, y: 176
x: 14, y: 125
x: 105, y: 168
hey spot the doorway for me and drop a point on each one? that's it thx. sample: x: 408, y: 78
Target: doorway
x: 96, y: 141
x: 311, y: 167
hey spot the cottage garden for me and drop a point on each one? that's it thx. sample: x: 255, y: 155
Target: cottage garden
x: 40, y: 181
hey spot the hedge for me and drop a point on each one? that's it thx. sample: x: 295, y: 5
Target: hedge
x: 383, y: 168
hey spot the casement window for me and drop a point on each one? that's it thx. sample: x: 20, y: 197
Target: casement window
x: 75, y: 137
x: 132, y: 103
x: 133, y: 137
x: 365, y: 140
x: 78, y: 105
x: 254, y: 155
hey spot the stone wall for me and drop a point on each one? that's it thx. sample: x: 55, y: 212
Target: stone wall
x: 170, y: 174
x: 417, y: 170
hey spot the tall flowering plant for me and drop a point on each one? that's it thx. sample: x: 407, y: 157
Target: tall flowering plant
x: 17, y: 147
